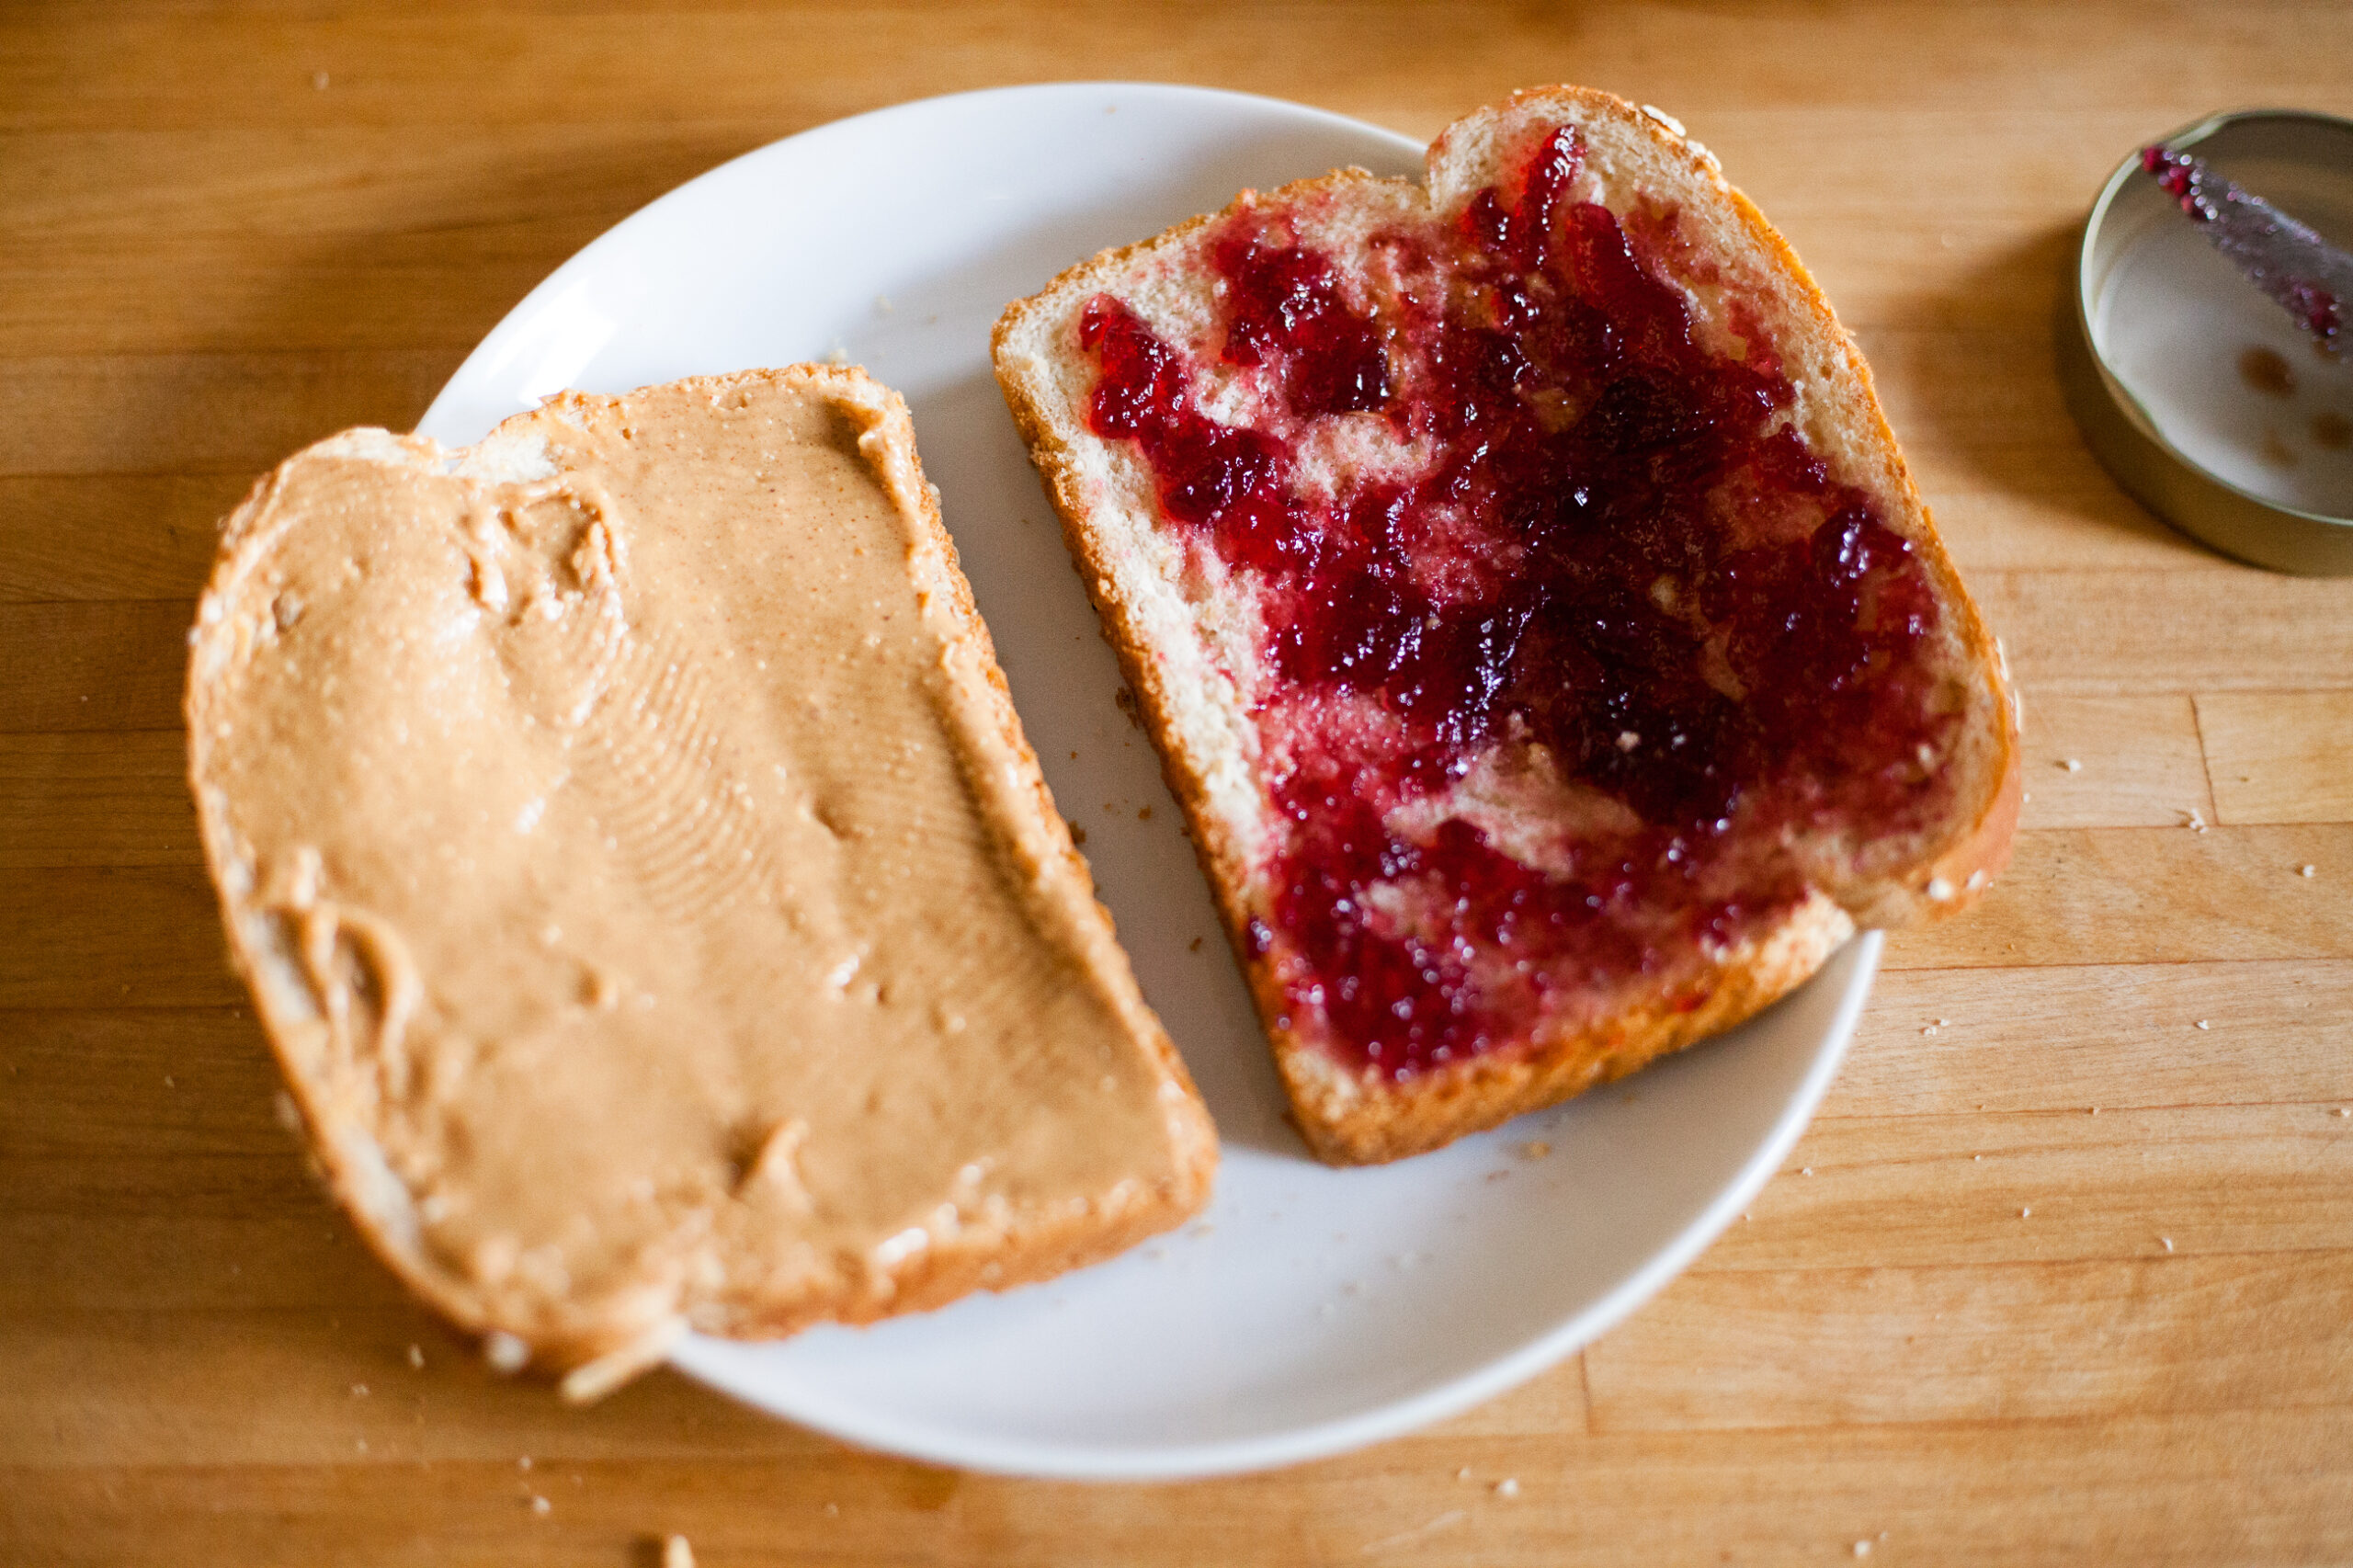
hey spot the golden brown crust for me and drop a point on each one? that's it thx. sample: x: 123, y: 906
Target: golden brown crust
x: 1354, y: 1120
x: 604, y: 1348
x: 1197, y: 1148
x: 1351, y: 1117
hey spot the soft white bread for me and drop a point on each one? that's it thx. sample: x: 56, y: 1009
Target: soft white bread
x: 661, y: 921
x: 1191, y: 633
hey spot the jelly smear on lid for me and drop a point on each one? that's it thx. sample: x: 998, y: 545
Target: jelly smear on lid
x: 2299, y: 271
x: 1612, y: 589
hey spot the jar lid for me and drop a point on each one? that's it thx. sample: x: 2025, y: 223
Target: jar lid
x: 2202, y: 397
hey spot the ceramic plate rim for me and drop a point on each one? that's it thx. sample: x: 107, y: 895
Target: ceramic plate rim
x: 448, y: 418
x: 1323, y: 1439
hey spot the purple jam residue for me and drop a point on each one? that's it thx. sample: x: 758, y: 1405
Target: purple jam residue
x: 2302, y: 273
x: 1612, y: 568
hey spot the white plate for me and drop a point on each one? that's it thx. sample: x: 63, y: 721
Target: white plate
x: 1317, y: 1310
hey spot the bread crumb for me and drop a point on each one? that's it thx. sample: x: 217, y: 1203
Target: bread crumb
x: 507, y: 1356
x: 1628, y: 740
x: 2168, y: 1241
x: 1144, y: 813
x: 2342, y: 1111
x: 1805, y: 1170
x: 676, y: 1554
x: 359, y: 1390
x: 1508, y: 1487
x: 416, y: 1355
x: 169, y: 1083
x: 319, y: 80
x: 359, y: 1445
x: 523, y: 1463
x: 1077, y: 835
x: 1194, y: 946
x: 1928, y: 1030
x: 1535, y: 1149
x: 540, y: 1506
x: 2193, y: 821
x: 833, y: 1510
x: 2204, y: 1024
x: 2025, y: 1212
x: 1463, y: 1474
x: 2306, y: 870
x: 1862, y: 1549
x: 2071, y: 764
x: 2095, y: 1110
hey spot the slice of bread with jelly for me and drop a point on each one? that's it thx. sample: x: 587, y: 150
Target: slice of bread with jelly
x: 1533, y: 609
x: 661, y: 921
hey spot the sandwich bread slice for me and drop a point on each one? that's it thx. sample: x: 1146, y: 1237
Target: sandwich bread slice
x: 1535, y: 617
x: 625, y: 830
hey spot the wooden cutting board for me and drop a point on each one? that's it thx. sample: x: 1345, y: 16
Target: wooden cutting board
x: 2063, y: 1273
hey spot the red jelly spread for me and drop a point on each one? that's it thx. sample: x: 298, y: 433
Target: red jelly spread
x: 2279, y: 255
x: 1611, y: 593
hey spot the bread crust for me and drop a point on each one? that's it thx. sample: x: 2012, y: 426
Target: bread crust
x: 1349, y: 1116
x: 597, y: 1349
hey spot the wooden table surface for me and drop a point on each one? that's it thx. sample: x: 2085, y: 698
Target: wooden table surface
x: 2064, y: 1270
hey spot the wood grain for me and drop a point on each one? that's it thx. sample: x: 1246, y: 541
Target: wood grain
x: 107, y: 666
x: 182, y: 414
x: 2064, y: 1270
x: 95, y: 798
x: 2111, y: 633
x: 112, y: 937
x: 1943, y: 1042
x: 2060, y: 1186
x: 2146, y: 766
x: 2155, y: 895
x: 2239, y: 1487
x: 2279, y: 755
x: 1862, y: 1347
x: 82, y: 537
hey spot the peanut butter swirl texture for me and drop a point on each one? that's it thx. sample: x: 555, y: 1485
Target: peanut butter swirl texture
x: 643, y: 880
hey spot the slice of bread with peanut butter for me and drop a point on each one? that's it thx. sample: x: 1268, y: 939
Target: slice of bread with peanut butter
x: 662, y: 923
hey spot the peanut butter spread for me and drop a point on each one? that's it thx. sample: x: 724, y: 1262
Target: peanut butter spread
x: 646, y: 885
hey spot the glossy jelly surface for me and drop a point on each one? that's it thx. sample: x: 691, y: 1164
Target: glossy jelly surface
x: 1542, y: 691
